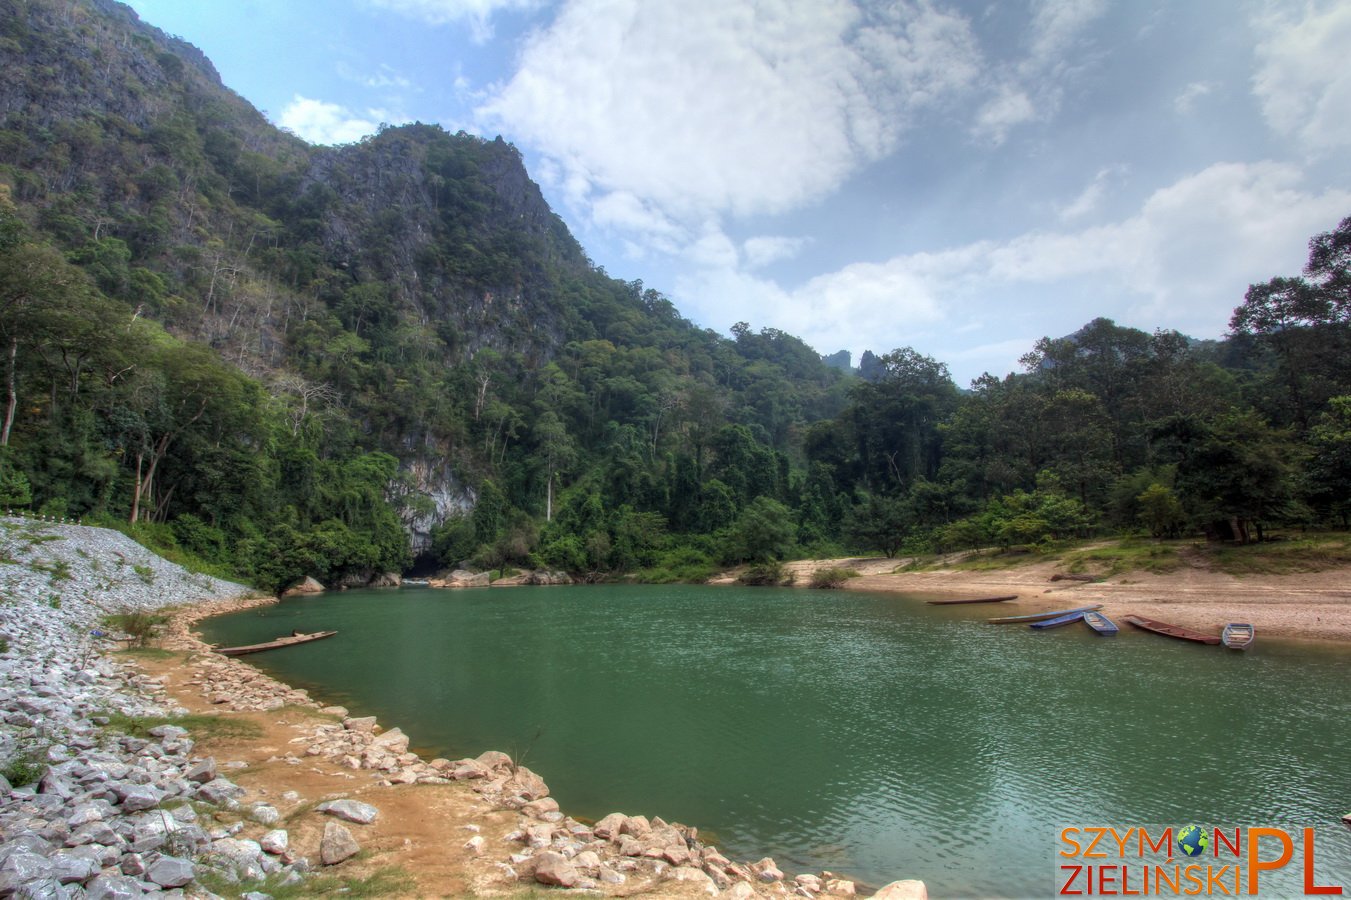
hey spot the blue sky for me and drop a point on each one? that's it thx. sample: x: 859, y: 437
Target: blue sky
x: 960, y: 177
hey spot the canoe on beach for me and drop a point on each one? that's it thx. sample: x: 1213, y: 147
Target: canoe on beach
x: 1042, y: 616
x: 289, y: 640
x: 1100, y: 623
x: 1174, y: 631
x: 972, y: 600
x: 1238, y: 635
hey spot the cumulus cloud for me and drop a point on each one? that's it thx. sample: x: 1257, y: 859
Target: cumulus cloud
x: 1183, y: 260
x: 325, y: 123
x: 759, y: 252
x: 726, y: 107
x: 476, y: 13
x: 1303, y: 81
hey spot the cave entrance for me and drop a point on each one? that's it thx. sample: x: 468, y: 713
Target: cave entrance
x: 424, y: 565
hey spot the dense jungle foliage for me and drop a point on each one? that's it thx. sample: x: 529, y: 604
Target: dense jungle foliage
x: 280, y: 360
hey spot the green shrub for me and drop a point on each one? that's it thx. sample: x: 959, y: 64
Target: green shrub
x: 143, y: 628
x: 832, y: 578
x: 766, y: 574
x: 25, y: 767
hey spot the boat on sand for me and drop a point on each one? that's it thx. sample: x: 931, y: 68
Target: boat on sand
x: 1174, y: 631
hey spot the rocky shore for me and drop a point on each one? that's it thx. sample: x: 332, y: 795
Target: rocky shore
x: 111, y: 815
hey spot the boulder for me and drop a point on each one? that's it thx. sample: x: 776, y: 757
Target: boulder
x: 741, y: 891
x: 840, y: 887
x: 387, y: 579
x: 475, y: 845
x: 610, y: 826
x: 219, y: 792
x: 202, y: 772
x: 350, y: 811
x: 766, y: 870
x: 637, y: 826
x: 554, y: 868
x: 494, y: 759
x: 114, y: 887
x: 392, y: 741
x: 170, y: 872
x: 910, y: 889
x: 306, y: 586
x: 275, y: 842
x: 337, y: 844
x: 546, y: 576
x: 465, y: 578
x: 525, y: 784
x: 362, y: 724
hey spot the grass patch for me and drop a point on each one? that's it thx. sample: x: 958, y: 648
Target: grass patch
x: 388, y: 881
x: 832, y: 578
x: 1281, y: 557
x: 1129, y: 555
x: 201, y: 727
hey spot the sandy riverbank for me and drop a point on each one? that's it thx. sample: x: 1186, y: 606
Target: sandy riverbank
x: 1313, y: 606
x: 450, y: 836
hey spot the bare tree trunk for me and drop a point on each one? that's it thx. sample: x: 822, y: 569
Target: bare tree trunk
x: 549, y: 499
x: 136, y: 496
x: 13, y: 401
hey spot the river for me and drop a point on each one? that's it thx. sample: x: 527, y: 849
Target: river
x: 868, y: 734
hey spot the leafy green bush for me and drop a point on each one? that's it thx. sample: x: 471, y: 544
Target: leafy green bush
x: 142, y: 627
x: 832, y: 578
x: 766, y: 574
x: 26, y: 766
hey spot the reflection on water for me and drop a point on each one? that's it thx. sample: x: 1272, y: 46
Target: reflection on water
x: 866, y: 734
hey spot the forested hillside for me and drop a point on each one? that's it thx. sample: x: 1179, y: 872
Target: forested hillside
x: 292, y: 360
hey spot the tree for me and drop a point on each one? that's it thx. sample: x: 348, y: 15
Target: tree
x: 1330, y: 469
x: 1235, y: 469
x: 1161, y: 512
x: 881, y: 522
x: 762, y: 532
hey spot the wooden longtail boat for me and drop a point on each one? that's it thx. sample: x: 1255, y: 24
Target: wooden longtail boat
x: 973, y: 600
x: 1042, y: 616
x: 288, y: 641
x: 1176, y: 631
x: 1238, y: 635
x: 1067, y: 618
x: 1100, y: 623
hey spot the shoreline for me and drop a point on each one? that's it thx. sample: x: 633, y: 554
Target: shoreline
x: 627, y: 854
x: 1309, y: 607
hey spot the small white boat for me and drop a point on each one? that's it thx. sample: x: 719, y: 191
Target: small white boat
x: 1238, y: 635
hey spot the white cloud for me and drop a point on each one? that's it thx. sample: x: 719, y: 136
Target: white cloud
x: 727, y: 107
x: 1030, y: 89
x: 764, y: 250
x: 1056, y: 24
x: 325, y: 123
x: 477, y: 13
x: 1007, y: 109
x: 1188, y: 97
x: 1182, y: 261
x: 1303, y: 81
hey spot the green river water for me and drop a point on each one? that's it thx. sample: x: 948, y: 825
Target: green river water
x: 868, y: 734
